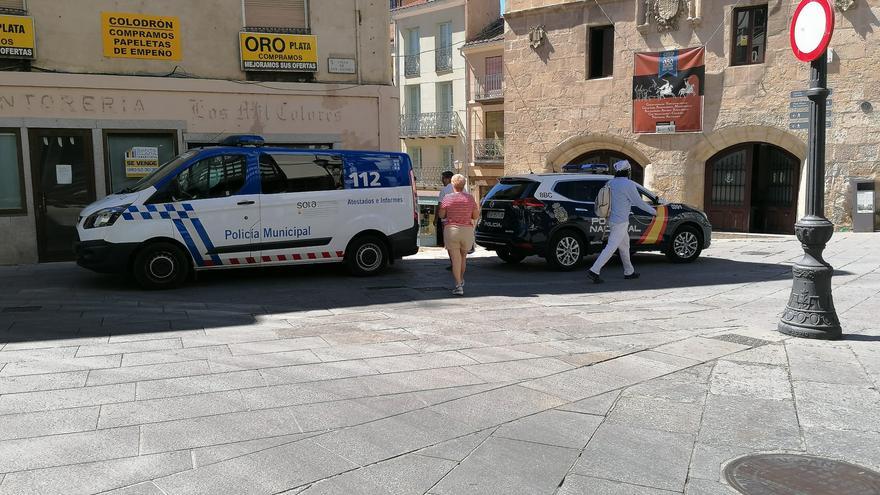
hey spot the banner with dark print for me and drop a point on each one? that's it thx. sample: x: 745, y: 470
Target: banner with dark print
x: 668, y: 91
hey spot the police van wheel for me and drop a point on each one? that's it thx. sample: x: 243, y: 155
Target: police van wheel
x: 566, y: 250
x: 366, y: 256
x: 510, y: 256
x: 160, y: 266
x: 685, y: 245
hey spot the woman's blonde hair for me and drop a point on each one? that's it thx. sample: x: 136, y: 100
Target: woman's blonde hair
x: 458, y: 182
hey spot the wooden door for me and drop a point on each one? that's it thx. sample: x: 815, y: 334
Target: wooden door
x: 728, y: 188
x: 776, y: 207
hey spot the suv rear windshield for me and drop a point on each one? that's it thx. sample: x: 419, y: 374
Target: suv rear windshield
x: 510, y: 190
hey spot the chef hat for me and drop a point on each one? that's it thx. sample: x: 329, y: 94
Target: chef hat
x: 621, y: 166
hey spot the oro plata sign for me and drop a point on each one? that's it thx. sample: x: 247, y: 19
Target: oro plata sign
x: 278, y: 52
x: 140, y: 36
x: 16, y: 36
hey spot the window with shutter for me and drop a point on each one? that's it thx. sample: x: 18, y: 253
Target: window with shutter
x: 494, y: 124
x: 275, y: 13
x: 447, y: 157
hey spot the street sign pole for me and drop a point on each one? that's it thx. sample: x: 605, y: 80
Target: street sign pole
x: 810, y: 311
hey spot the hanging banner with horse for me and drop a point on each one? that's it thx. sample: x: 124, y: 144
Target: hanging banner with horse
x: 668, y: 91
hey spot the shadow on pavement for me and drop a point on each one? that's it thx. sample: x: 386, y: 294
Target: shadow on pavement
x: 61, y: 300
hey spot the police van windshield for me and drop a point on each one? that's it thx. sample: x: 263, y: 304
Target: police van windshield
x: 159, y: 174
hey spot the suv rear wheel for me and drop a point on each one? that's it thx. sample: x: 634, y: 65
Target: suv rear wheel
x: 566, y: 250
x: 685, y: 245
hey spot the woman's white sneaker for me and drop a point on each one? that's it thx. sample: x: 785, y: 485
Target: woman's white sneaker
x: 458, y: 291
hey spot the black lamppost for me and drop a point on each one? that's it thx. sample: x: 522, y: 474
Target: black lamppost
x: 810, y: 311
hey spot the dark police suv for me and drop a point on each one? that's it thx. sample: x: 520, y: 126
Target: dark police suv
x: 553, y: 215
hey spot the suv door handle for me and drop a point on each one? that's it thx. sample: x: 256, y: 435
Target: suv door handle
x: 247, y: 202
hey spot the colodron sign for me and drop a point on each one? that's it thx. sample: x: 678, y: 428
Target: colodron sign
x: 668, y: 91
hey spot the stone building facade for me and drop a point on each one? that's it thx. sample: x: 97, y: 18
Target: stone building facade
x: 96, y: 92
x: 560, y: 109
x: 484, y: 56
x: 431, y: 74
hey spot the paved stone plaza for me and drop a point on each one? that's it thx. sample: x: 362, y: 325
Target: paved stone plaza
x: 307, y: 381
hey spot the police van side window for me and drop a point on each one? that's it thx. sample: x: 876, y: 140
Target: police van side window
x: 216, y: 177
x: 580, y: 190
x: 291, y: 172
x: 271, y: 177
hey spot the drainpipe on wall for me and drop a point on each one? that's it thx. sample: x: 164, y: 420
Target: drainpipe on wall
x: 357, y: 39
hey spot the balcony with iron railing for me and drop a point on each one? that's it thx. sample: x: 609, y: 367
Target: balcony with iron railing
x: 400, y: 4
x: 436, y: 124
x: 428, y: 175
x: 443, y: 59
x: 489, y: 88
x: 411, y: 66
x: 489, y: 150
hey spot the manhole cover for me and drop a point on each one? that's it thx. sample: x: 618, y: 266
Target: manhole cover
x: 792, y: 474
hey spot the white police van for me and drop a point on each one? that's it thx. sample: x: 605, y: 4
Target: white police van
x: 243, y: 204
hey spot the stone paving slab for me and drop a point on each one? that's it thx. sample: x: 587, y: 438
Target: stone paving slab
x: 65, y: 449
x: 535, y: 382
x: 640, y: 456
x: 400, y: 475
x: 502, y: 466
x: 45, y: 423
x: 66, y: 398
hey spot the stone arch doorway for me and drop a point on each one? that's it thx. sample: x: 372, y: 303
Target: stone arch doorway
x: 605, y: 158
x: 752, y: 187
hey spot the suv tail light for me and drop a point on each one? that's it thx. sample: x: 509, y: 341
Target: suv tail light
x: 528, y: 203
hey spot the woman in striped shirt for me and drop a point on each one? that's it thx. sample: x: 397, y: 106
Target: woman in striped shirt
x: 458, y: 210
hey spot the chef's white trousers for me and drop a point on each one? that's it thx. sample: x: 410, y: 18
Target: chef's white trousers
x: 618, y: 240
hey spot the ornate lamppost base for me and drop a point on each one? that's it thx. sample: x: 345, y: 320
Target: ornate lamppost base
x: 810, y: 311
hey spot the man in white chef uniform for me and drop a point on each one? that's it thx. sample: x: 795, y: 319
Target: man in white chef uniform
x: 624, y: 195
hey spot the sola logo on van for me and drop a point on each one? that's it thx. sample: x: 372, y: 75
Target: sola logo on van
x: 270, y: 233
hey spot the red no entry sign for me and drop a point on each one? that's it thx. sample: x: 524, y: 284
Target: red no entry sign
x: 811, y: 28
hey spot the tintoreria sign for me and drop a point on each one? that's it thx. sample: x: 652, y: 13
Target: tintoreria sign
x: 668, y: 91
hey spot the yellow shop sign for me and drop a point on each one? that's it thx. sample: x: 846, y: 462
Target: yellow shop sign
x: 278, y: 52
x: 140, y: 36
x: 16, y: 36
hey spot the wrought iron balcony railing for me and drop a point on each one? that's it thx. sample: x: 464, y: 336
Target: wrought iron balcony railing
x: 443, y: 59
x: 428, y: 176
x: 411, y: 65
x: 490, y: 87
x: 429, y: 124
x: 489, y: 149
x: 399, y: 4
